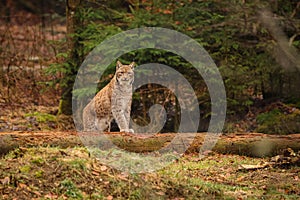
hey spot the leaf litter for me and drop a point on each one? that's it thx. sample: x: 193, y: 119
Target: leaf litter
x: 71, y: 173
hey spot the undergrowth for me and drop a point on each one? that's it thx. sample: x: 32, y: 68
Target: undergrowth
x: 279, y: 122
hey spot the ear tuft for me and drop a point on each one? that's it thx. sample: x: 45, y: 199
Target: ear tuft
x: 132, y: 65
x: 119, y: 64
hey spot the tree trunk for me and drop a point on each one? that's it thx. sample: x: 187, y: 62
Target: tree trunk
x: 75, y: 54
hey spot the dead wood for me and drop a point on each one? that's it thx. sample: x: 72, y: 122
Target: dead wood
x: 252, y: 144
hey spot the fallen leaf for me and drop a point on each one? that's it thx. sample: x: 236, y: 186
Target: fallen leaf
x: 123, y: 177
x: 240, y: 178
x: 103, y: 168
x: 135, y: 184
x: 109, y: 197
x: 95, y: 173
x: 161, y: 193
x: 106, y: 182
x: 252, y: 167
x: 50, y: 196
x: 22, y: 185
x: 5, y: 181
x: 37, y: 193
x: 167, y: 12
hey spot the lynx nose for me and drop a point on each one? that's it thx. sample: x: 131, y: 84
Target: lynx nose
x: 126, y: 78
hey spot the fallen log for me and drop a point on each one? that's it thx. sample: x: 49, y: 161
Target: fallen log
x: 248, y: 144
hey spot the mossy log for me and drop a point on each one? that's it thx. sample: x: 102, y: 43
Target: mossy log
x: 250, y: 144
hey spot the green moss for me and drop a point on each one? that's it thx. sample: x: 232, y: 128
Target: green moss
x: 38, y: 161
x: 39, y: 174
x: 42, y: 117
x: 97, y: 195
x: 78, y: 164
x: 65, y: 107
x: 136, y: 194
x: 70, y: 189
x: 25, y: 169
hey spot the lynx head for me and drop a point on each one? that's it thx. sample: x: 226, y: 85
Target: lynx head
x: 125, y: 73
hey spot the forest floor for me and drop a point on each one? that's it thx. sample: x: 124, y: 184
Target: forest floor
x: 72, y: 173
x: 55, y: 165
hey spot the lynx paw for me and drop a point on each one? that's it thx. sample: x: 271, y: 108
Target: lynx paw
x: 131, y: 131
x: 127, y: 130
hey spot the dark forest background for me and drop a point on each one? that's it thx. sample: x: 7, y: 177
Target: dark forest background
x: 255, y: 45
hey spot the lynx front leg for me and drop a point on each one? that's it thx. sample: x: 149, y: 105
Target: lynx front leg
x: 120, y: 118
x: 127, y: 116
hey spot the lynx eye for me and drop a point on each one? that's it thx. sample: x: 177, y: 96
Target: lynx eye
x: 120, y: 73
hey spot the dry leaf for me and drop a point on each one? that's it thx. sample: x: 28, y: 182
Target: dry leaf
x: 5, y: 181
x: 167, y: 12
x: 95, y: 173
x: 161, y: 193
x: 123, y: 177
x: 135, y: 184
x: 252, y: 167
x: 22, y: 185
x: 37, y: 193
x: 103, y: 168
x: 106, y: 182
x: 240, y: 178
x: 50, y: 196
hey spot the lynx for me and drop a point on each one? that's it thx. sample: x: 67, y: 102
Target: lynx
x: 112, y: 102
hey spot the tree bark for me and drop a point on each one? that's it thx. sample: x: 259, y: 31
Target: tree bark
x: 75, y: 54
x: 250, y: 144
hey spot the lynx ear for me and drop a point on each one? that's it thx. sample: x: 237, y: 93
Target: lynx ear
x: 132, y: 65
x: 119, y: 64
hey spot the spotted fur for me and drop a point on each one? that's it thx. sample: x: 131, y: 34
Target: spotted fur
x: 112, y: 102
